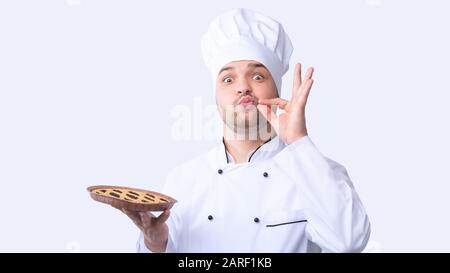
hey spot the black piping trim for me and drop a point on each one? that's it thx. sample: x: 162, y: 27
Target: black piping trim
x: 225, y: 150
x: 287, y: 223
x: 258, y: 148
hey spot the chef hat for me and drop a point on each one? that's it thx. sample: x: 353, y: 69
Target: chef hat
x: 243, y: 34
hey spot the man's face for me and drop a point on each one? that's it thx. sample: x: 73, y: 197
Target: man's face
x: 239, y: 85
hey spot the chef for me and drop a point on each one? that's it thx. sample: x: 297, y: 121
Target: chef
x: 265, y: 187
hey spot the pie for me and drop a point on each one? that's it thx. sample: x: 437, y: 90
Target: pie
x: 131, y: 198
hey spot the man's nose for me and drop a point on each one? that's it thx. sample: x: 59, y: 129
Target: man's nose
x: 243, y: 89
x: 244, y: 92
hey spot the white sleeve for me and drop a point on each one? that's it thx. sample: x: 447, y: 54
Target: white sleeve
x: 337, y: 221
x: 174, y: 221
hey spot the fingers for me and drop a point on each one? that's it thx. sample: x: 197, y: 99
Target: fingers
x: 152, y: 220
x: 297, y: 76
x: 133, y: 216
x: 282, y: 103
x: 300, y: 85
x: 302, y: 92
x: 308, y: 74
x: 163, y: 217
x: 146, y: 219
x: 306, y: 88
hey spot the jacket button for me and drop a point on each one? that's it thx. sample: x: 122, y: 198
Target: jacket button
x: 210, y: 217
x: 220, y: 171
x: 265, y: 174
x: 256, y: 220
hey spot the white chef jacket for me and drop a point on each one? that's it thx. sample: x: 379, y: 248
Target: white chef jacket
x: 286, y: 198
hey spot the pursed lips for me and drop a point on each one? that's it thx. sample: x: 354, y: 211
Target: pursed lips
x: 245, y: 101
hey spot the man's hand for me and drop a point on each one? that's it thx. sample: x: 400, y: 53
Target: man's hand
x: 155, y: 229
x: 291, y: 125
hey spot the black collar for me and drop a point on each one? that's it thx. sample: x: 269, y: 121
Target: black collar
x: 250, y: 157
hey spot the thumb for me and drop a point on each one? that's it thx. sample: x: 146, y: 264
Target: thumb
x: 163, y: 217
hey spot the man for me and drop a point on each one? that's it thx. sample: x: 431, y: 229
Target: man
x: 265, y: 187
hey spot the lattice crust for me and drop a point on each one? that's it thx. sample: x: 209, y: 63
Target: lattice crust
x: 134, y: 196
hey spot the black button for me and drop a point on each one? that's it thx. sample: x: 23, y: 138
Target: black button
x: 256, y: 220
x: 220, y: 171
x: 210, y: 217
x: 265, y: 174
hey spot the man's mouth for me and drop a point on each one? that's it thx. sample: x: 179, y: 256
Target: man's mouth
x: 246, y: 101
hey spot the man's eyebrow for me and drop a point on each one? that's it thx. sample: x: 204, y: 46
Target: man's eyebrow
x: 226, y: 68
x: 256, y: 65
x: 248, y: 65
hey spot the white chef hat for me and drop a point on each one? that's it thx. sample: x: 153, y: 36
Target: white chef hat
x: 243, y: 34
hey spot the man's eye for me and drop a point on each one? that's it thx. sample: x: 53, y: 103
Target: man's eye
x: 258, y: 77
x: 227, y: 80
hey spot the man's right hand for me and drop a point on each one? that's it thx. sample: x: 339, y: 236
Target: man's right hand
x: 155, y: 229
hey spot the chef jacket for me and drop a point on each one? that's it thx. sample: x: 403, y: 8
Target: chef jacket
x: 286, y: 198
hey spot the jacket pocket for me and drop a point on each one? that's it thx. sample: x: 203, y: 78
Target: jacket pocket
x: 282, y: 218
x: 282, y: 231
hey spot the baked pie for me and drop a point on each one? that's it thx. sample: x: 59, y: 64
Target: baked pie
x: 131, y: 198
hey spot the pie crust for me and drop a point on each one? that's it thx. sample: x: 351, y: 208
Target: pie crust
x: 131, y: 198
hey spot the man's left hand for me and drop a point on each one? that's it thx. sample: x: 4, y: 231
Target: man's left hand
x: 291, y: 125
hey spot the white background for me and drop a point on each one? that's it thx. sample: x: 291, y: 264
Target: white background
x: 87, y: 88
